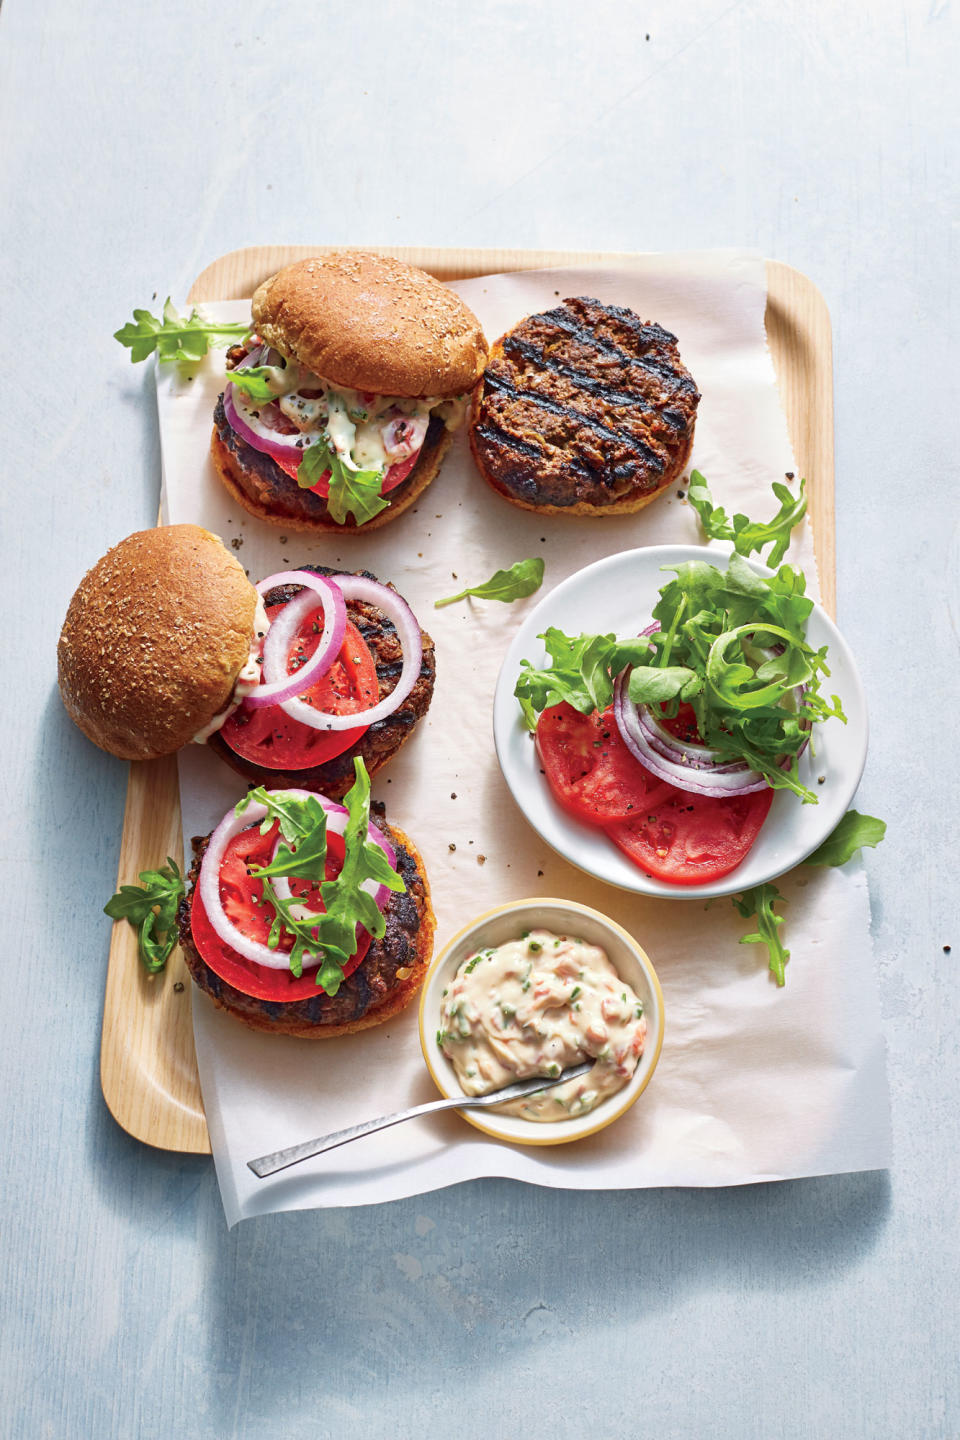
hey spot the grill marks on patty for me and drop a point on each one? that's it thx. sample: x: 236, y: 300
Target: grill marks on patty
x: 584, y: 404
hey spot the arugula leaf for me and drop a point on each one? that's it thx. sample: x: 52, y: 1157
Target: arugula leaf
x: 749, y: 535
x: 355, y: 492
x: 185, y: 339
x: 260, y: 382
x: 758, y: 903
x: 151, y: 908
x: 583, y: 670
x: 852, y: 834
x: 522, y: 579
x: 303, y: 824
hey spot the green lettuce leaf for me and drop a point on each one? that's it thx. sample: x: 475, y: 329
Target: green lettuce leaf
x: 852, y: 834
x: 151, y: 908
x: 749, y: 535
x: 352, y: 492
x: 174, y: 337
x: 523, y: 578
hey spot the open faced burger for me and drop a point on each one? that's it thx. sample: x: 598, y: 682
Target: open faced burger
x: 307, y: 918
x: 341, y: 404
x: 585, y: 410
x: 166, y: 641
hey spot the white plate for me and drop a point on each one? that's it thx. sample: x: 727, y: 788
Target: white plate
x: 617, y: 595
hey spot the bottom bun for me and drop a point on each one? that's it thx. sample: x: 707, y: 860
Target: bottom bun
x: 384, y: 983
x: 625, y: 505
x: 259, y: 485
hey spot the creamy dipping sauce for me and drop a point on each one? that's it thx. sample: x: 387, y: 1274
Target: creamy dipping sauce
x: 536, y: 1006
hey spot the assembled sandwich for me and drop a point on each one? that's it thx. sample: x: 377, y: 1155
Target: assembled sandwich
x: 341, y: 403
x: 166, y: 641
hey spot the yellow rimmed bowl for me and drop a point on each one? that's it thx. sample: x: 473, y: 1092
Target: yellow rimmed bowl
x: 563, y: 917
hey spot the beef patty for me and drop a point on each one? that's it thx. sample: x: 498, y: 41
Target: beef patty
x: 386, y: 980
x: 270, y: 493
x: 584, y: 409
x: 382, y: 739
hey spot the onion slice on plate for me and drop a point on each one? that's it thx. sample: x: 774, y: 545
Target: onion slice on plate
x: 369, y: 592
x: 283, y: 633
x: 208, y: 883
x: 700, y: 778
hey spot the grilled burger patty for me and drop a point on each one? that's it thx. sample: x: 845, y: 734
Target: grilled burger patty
x: 384, y: 738
x: 270, y: 489
x: 584, y: 406
x: 373, y: 992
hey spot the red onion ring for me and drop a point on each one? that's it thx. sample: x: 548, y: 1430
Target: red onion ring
x: 283, y: 633
x: 208, y: 882
x: 714, y: 782
x: 371, y: 592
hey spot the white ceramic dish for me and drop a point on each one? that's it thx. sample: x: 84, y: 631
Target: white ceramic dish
x: 563, y: 917
x: 616, y: 595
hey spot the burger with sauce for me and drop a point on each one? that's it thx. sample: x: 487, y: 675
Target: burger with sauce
x: 166, y: 641
x: 341, y: 403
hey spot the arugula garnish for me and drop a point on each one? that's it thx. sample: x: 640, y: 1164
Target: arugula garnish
x: 185, y: 339
x: 758, y: 903
x: 262, y: 383
x: 151, y: 908
x: 852, y: 833
x: 355, y: 492
x: 730, y: 643
x: 303, y: 826
x: 522, y: 579
x: 582, y: 672
x: 749, y: 535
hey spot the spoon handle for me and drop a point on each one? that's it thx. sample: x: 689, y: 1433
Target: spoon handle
x: 280, y: 1159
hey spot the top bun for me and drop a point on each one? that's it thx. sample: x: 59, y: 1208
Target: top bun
x: 370, y: 322
x: 155, y: 637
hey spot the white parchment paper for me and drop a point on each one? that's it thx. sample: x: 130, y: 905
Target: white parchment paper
x: 753, y: 1083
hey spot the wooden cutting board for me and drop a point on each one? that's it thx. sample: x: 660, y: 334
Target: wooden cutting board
x: 148, y: 1067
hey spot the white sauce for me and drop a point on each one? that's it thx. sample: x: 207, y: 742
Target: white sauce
x: 248, y: 678
x: 362, y: 429
x: 536, y: 1006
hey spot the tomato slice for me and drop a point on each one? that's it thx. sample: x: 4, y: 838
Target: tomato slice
x: 268, y: 736
x: 689, y: 839
x: 589, y: 768
x: 242, y: 898
x: 396, y: 474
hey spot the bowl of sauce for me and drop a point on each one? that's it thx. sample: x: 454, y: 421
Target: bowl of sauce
x: 534, y: 987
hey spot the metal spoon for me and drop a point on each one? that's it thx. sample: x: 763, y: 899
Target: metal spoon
x: 281, y: 1159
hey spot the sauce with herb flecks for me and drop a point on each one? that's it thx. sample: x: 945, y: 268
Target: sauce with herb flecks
x: 536, y: 1006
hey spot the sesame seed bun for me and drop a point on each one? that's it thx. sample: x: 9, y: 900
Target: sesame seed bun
x: 155, y: 637
x: 370, y: 322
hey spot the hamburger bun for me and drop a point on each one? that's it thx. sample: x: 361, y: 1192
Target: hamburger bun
x: 370, y: 322
x: 154, y: 639
x: 386, y: 980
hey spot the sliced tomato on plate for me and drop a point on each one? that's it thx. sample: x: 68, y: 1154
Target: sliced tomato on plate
x: 242, y: 897
x: 268, y: 736
x: 689, y: 839
x: 589, y: 768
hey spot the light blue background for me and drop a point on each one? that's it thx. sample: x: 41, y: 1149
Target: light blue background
x: 140, y: 142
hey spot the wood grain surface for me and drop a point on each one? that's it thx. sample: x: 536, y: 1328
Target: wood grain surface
x: 148, y: 1066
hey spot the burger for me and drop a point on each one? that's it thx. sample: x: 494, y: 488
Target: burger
x: 342, y: 402
x: 166, y: 641
x: 584, y: 410
x: 307, y: 918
